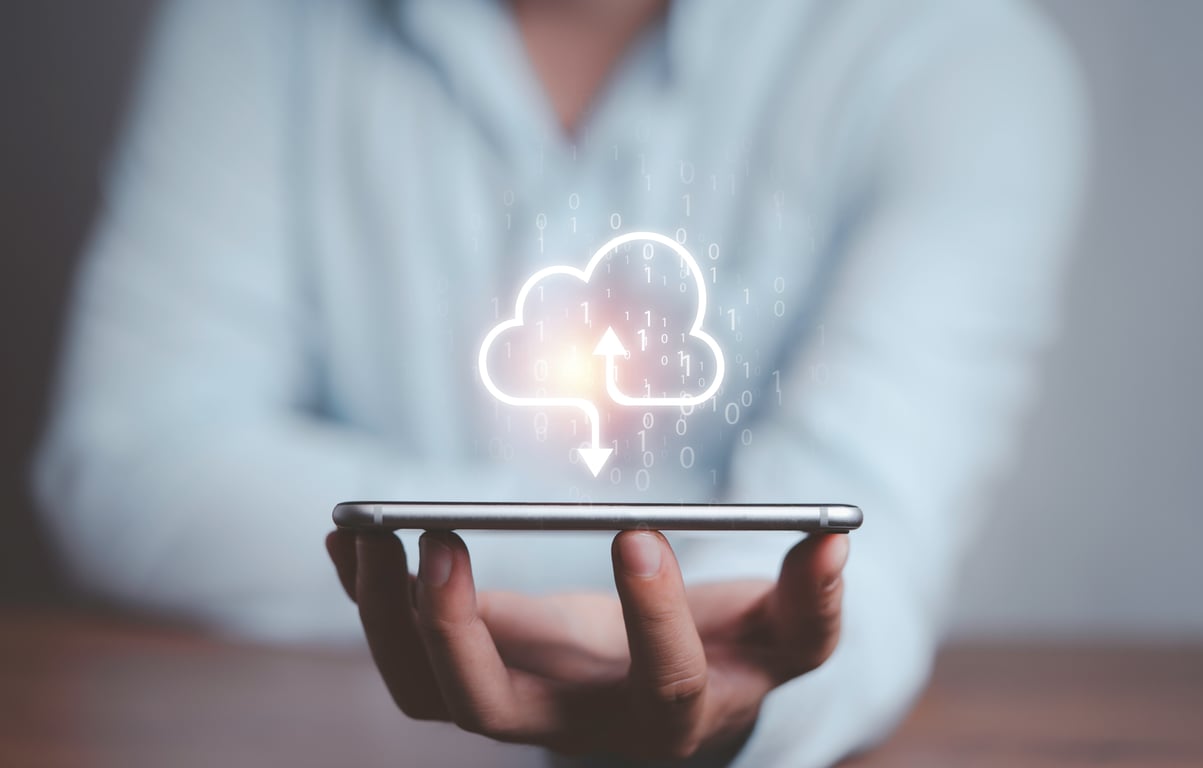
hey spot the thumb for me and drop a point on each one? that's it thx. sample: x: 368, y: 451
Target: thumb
x: 806, y: 606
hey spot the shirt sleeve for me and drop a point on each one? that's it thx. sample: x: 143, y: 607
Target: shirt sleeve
x: 907, y: 401
x: 187, y: 468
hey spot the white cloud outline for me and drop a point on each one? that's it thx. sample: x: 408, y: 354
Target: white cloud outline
x: 584, y: 275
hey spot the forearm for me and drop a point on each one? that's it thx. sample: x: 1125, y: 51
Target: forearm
x: 222, y: 520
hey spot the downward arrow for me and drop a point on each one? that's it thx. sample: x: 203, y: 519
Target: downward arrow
x: 595, y: 458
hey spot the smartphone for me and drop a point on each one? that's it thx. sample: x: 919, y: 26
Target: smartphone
x: 585, y: 516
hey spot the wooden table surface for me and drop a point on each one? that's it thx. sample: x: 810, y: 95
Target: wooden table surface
x: 87, y: 691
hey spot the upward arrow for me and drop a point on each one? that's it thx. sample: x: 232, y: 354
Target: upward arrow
x: 609, y: 345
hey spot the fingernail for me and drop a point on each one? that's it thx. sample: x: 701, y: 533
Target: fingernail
x: 641, y: 554
x: 434, y: 566
x: 842, y: 548
x: 366, y: 561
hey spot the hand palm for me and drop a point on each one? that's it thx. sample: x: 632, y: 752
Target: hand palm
x: 660, y: 670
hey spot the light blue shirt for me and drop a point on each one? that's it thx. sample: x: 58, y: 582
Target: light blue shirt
x: 320, y: 208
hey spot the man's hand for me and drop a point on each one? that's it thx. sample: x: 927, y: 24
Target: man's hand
x: 663, y: 671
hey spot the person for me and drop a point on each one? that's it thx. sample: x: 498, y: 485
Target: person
x: 318, y: 211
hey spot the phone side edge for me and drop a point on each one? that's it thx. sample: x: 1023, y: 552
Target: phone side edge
x: 351, y: 514
x: 843, y: 518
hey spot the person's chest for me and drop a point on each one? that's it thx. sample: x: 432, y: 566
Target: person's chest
x: 435, y: 183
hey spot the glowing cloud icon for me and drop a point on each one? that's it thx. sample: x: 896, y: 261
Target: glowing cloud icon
x: 610, y: 347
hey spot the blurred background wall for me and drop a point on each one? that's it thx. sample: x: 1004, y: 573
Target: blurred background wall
x: 1097, y: 531
x: 64, y: 71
